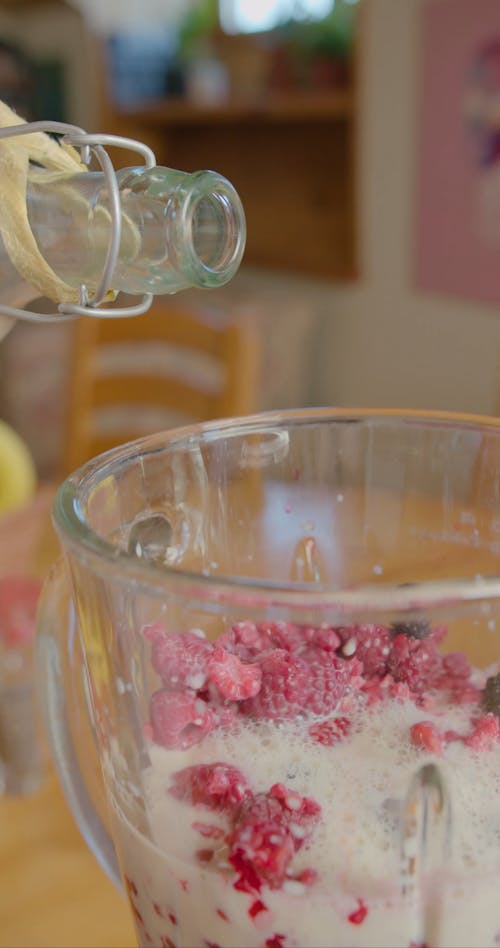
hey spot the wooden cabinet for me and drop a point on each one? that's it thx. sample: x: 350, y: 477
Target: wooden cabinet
x: 292, y: 160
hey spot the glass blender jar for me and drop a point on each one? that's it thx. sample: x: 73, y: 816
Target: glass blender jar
x: 270, y: 675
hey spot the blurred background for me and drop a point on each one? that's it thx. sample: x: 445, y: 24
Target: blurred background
x: 330, y: 120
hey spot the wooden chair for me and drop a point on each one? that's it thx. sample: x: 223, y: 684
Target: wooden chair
x: 137, y: 375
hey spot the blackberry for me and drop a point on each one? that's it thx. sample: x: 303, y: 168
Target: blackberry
x: 490, y: 697
x: 418, y: 629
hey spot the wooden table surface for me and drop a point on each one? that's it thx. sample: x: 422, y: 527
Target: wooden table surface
x: 53, y: 894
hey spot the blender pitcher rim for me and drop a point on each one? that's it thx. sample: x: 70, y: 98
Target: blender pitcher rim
x: 77, y: 536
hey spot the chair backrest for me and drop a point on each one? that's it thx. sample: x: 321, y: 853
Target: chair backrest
x: 172, y: 366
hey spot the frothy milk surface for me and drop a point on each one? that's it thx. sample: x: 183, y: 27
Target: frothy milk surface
x: 361, y: 784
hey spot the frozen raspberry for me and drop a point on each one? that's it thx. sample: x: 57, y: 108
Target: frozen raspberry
x: 490, y: 698
x: 418, y: 629
x: 456, y: 665
x: 358, y: 917
x: 284, y: 687
x: 269, y: 829
x: 277, y: 941
x: 244, y: 640
x: 179, y: 720
x: 235, y: 680
x: 180, y: 658
x: 329, y: 676
x: 485, y: 733
x: 326, y: 638
x: 426, y: 736
x: 288, y: 636
x: 263, y: 851
x: 256, y: 908
x: 370, y: 644
x: 216, y: 786
x: 300, y: 813
x: 416, y: 662
x: 330, y: 732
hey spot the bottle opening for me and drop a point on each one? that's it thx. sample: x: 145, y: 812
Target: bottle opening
x: 212, y: 231
x: 217, y: 230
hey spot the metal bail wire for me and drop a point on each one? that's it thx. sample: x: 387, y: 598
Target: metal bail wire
x: 88, y: 144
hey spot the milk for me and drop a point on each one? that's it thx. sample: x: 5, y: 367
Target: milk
x: 361, y: 785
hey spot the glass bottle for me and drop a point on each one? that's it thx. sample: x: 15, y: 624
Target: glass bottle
x: 179, y: 230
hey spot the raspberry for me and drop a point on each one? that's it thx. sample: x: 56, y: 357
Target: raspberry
x: 418, y: 663
x: 180, y: 658
x: 490, y: 698
x: 358, y: 917
x: 268, y: 831
x: 284, y: 687
x: 371, y: 644
x: 277, y: 941
x: 290, y: 637
x: 256, y: 908
x: 301, y: 813
x: 330, y: 732
x: 328, y: 679
x: 327, y: 639
x: 234, y: 680
x: 266, y: 849
x: 426, y: 736
x: 485, y: 733
x: 456, y: 665
x: 216, y: 786
x: 180, y: 719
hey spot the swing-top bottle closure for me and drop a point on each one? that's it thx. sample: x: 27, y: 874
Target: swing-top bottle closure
x: 88, y: 145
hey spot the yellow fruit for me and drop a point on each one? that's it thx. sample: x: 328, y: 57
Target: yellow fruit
x: 17, y: 470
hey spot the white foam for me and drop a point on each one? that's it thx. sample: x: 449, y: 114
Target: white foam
x: 361, y: 784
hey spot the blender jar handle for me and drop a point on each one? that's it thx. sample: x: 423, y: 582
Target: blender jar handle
x: 63, y: 698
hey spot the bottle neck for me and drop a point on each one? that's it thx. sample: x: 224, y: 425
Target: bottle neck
x: 178, y: 230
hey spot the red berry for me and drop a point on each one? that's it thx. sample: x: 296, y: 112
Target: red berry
x: 330, y: 732
x: 485, y: 733
x: 179, y: 719
x: 269, y: 829
x: 180, y: 658
x: 266, y: 849
x: 426, y: 736
x: 277, y: 941
x: 284, y: 687
x: 256, y: 908
x: 415, y: 661
x: 370, y: 644
x: 358, y: 917
x: 235, y: 680
x: 216, y: 786
x: 329, y: 676
x: 456, y: 665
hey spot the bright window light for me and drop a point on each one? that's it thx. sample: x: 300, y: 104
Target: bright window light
x: 253, y: 16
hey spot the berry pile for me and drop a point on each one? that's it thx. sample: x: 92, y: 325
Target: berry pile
x: 262, y: 833
x: 278, y: 670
